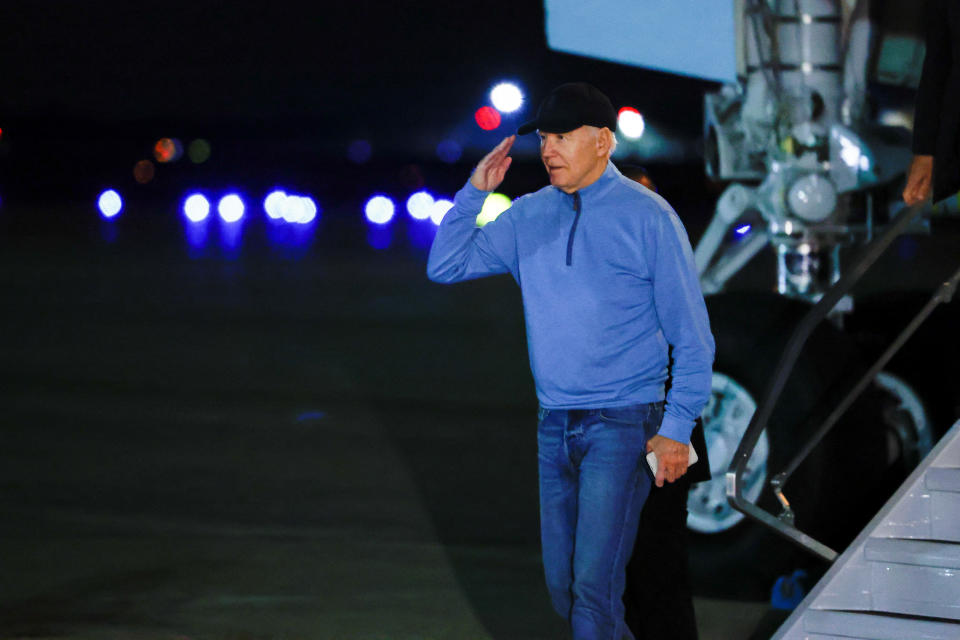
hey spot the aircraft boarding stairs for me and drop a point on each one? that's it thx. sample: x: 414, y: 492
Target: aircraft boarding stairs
x: 900, y: 578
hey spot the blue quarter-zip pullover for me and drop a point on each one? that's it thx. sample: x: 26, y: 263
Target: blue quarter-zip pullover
x: 608, y: 282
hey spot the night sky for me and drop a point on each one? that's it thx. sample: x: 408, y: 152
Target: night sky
x: 404, y: 74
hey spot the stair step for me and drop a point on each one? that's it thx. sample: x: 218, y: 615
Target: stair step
x: 914, y: 577
x: 871, y: 626
x: 942, y: 479
x: 924, y: 553
x: 930, y: 510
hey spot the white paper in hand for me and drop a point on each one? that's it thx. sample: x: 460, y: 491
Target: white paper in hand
x: 652, y: 459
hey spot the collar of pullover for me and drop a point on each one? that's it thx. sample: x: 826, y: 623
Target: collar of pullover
x: 608, y: 177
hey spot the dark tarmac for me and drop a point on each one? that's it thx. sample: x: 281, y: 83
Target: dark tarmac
x: 259, y: 447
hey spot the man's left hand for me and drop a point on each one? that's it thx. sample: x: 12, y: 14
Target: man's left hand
x: 673, y: 458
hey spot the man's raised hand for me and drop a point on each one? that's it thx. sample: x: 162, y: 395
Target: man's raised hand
x: 489, y: 173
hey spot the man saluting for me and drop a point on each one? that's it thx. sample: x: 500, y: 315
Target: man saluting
x: 608, y: 284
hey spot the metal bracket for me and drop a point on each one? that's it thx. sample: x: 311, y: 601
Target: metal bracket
x: 786, y: 513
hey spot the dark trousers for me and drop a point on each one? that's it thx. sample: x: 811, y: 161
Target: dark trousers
x: 659, y: 598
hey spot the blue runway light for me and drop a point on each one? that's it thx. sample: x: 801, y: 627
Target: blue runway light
x: 310, y: 210
x: 379, y: 209
x: 439, y: 209
x: 298, y: 210
x: 743, y: 230
x: 292, y: 209
x: 419, y: 205
x: 273, y: 204
x: 230, y: 208
x: 196, y: 208
x: 110, y: 203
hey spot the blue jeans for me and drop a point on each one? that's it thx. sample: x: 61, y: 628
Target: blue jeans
x: 593, y: 483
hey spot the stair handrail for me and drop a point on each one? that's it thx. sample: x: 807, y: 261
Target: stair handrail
x: 783, y: 525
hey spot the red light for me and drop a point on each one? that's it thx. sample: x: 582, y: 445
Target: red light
x: 628, y: 110
x: 488, y: 118
x: 167, y: 150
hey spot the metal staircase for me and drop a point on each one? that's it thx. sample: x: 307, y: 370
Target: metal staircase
x: 900, y: 579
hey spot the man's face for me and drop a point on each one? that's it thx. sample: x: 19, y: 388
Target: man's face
x: 574, y: 159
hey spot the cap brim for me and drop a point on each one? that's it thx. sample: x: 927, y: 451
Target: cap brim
x: 548, y: 127
x: 527, y: 127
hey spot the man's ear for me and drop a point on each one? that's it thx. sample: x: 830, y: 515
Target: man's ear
x: 604, y: 141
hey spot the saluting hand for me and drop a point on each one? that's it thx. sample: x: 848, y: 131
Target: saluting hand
x: 490, y: 171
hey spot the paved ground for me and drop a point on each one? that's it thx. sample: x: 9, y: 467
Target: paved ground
x: 169, y: 521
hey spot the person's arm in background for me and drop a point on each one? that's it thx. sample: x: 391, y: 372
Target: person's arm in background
x: 460, y: 250
x: 926, y: 119
x: 686, y: 327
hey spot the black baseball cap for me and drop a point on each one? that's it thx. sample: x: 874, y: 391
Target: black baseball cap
x: 570, y: 106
